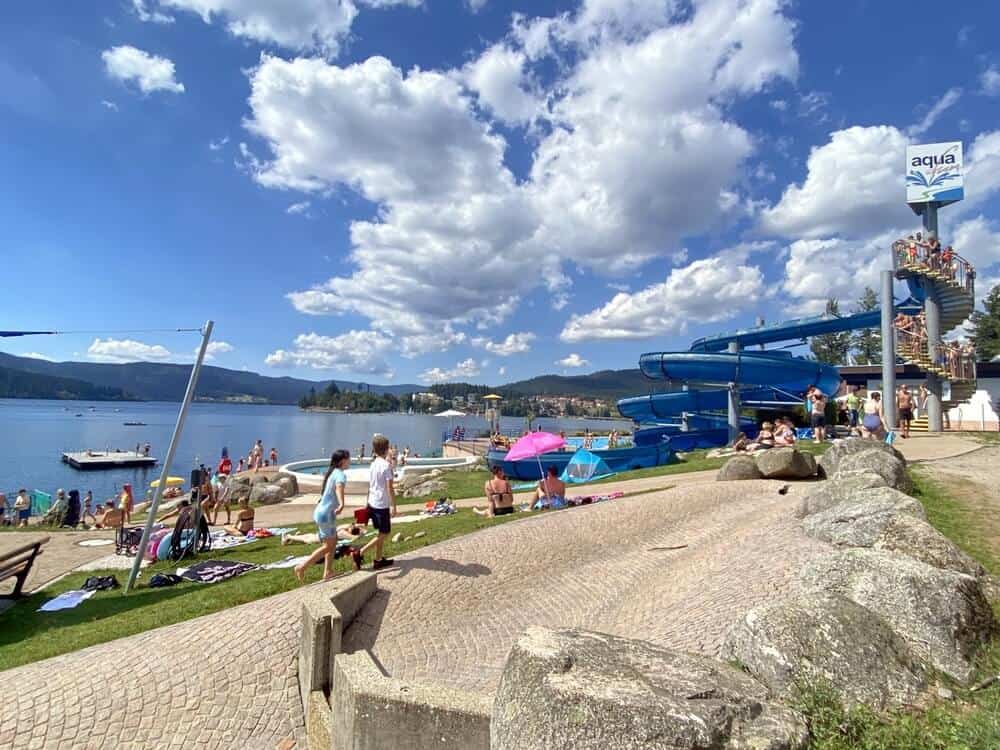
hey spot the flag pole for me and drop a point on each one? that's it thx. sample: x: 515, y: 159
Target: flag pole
x: 206, y: 334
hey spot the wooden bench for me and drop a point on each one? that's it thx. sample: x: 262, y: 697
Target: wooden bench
x: 17, y: 564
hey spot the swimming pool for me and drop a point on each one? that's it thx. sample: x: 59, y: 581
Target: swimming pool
x: 320, y: 465
x: 312, y: 471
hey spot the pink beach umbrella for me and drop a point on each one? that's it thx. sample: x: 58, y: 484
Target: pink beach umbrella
x: 533, y: 445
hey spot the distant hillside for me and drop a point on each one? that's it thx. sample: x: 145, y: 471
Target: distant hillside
x: 20, y: 384
x: 609, y: 385
x: 151, y: 381
x: 166, y: 382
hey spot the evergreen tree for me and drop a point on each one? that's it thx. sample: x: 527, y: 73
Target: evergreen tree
x: 986, y: 327
x: 867, y: 343
x: 831, y: 348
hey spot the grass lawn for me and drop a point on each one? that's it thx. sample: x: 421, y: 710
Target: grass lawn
x: 464, y: 484
x: 27, y: 635
x: 972, y: 720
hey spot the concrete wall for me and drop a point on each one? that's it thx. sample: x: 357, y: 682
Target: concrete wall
x: 350, y: 704
x: 373, y: 712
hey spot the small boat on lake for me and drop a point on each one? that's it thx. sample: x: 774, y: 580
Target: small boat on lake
x: 134, y: 424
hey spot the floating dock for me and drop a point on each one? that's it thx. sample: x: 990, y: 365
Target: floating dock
x: 107, y: 459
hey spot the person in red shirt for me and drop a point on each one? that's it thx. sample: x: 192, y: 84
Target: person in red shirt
x: 225, y: 465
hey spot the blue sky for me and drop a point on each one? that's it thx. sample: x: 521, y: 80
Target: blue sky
x: 417, y: 191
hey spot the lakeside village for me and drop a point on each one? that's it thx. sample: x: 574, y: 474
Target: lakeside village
x: 470, y: 399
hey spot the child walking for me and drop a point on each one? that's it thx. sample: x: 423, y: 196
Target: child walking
x: 381, y: 504
x: 325, y: 516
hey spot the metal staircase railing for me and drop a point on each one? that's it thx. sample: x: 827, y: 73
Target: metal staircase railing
x: 952, y: 279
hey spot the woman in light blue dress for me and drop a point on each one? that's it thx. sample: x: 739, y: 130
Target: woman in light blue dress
x: 325, y: 515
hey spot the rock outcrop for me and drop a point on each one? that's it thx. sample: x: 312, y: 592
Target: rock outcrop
x: 849, y: 487
x: 829, y: 462
x: 239, y: 489
x: 289, y: 484
x: 738, y: 468
x: 883, y: 463
x: 580, y: 690
x: 831, y: 638
x: 893, y: 526
x: 942, y: 615
x: 266, y: 494
x: 785, y: 463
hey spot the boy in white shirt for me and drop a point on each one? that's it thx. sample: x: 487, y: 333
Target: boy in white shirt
x: 381, y: 503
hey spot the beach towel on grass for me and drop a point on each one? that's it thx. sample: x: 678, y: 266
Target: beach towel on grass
x: 66, y: 600
x: 213, y: 571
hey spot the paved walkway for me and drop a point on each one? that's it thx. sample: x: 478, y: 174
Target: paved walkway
x: 228, y: 680
x: 450, y: 614
x: 60, y: 555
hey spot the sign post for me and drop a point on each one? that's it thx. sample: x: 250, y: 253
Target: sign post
x: 933, y: 179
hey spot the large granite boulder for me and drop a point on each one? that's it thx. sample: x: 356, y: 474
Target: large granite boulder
x: 239, y: 489
x: 883, y: 463
x: 829, y: 462
x: 266, y: 494
x: 830, y: 523
x: 831, y: 638
x: 941, y: 614
x: 785, y: 463
x: 849, y: 487
x: 880, y: 525
x: 289, y: 484
x: 431, y: 487
x: 579, y: 690
x: 737, y: 468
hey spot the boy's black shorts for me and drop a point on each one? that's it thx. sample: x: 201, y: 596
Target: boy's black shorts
x: 381, y: 519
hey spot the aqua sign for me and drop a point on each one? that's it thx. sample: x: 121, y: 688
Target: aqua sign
x: 934, y: 173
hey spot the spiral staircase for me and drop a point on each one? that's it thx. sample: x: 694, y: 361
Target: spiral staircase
x: 955, y: 292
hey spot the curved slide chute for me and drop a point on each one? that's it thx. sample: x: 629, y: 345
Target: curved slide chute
x: 694, y: 417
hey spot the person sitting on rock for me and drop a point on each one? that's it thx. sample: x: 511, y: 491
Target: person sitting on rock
x: 741, y: 443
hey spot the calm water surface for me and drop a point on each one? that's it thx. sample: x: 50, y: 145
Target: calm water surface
x: 34, y: 434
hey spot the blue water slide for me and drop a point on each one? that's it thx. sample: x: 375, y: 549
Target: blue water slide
x: 695, y: 417
x: 789, y: 330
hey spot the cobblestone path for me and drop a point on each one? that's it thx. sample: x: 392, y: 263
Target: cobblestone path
x: 449, y: 616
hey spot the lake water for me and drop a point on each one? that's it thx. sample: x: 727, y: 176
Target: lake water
x: 35, y: 433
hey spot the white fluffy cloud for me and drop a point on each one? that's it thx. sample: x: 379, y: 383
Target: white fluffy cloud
x: 145, y: 13
x: 499, y: 78
x: 126, y: 350
x: 640, y: 121
x: 215, y: 347
x: 301, y: 25
x: 515, y: 343
x: 149, y: 72
x: 639, y: 114
x: 854, y: 186
x: 938, y: 108
x: 707, y: 291
x: 465, y: 369
x: 301, y: 208
x: 361, y: 352
x: 412, y: 144
x: 818, y: 269
x: 37, y: 355
x: 989, y: 80
x: 978, y: 241
x: 574, y: 360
